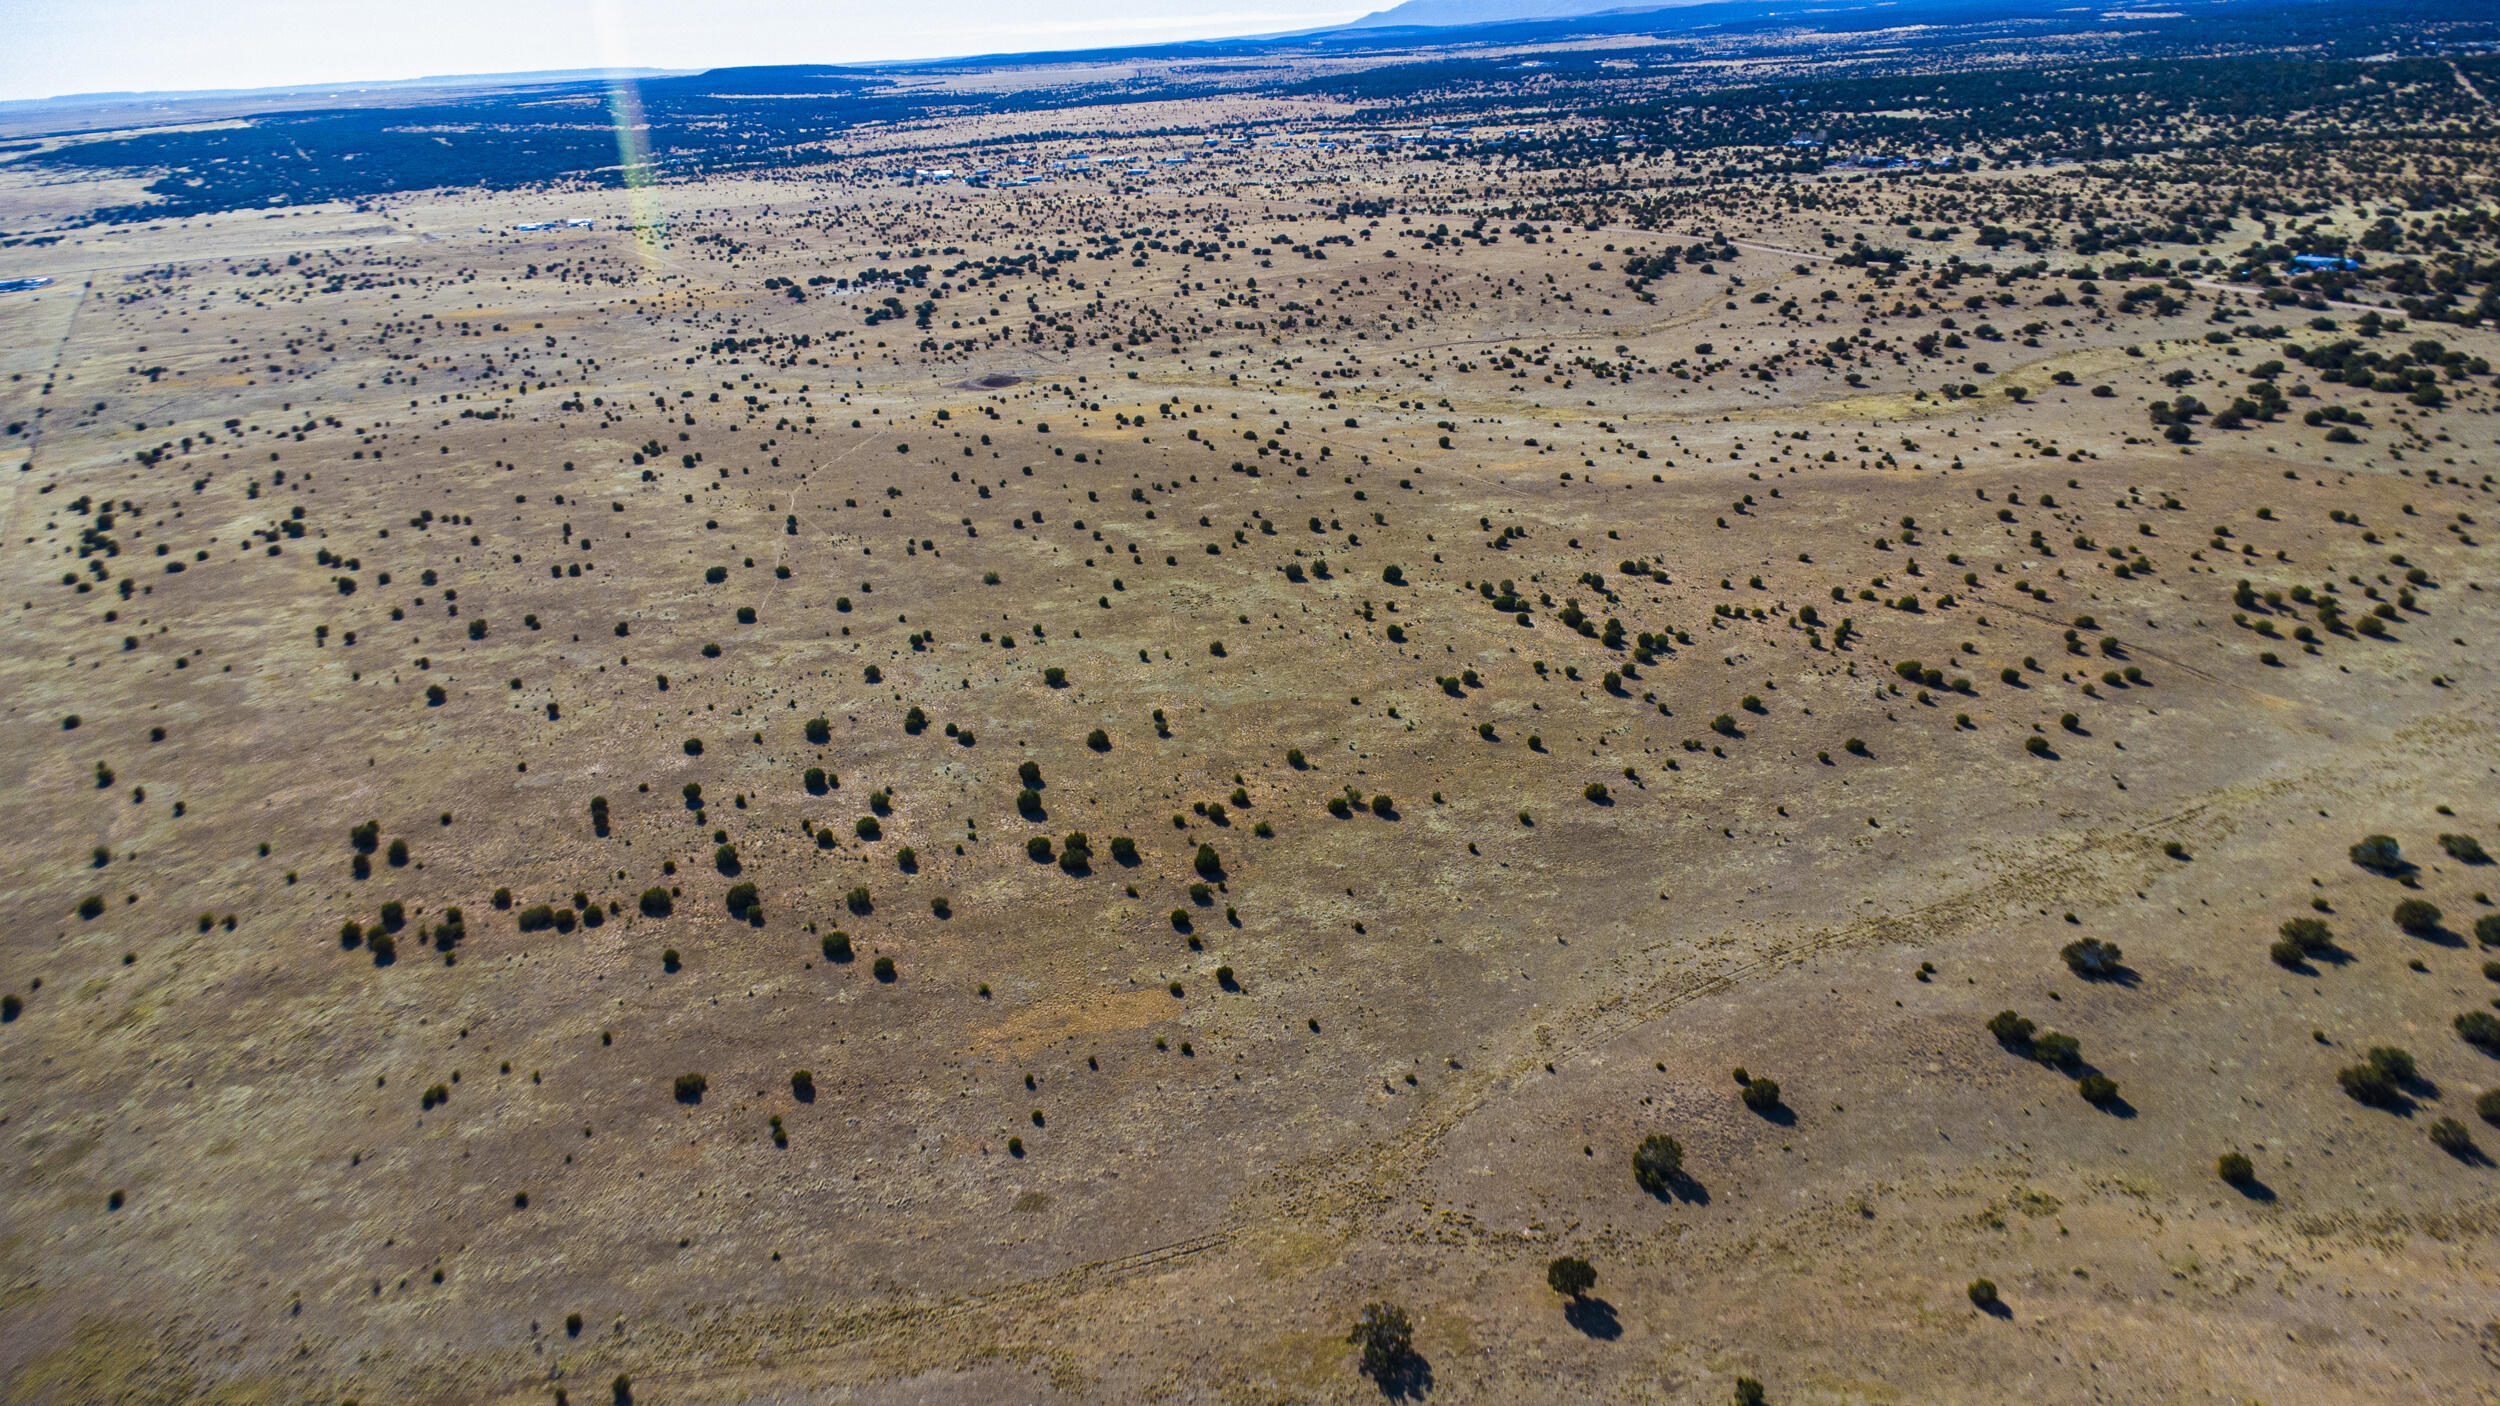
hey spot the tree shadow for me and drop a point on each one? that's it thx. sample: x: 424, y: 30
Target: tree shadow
x: 1997, y: 1308
x: 2437, y: 935
x: 1779, y: 1114
x: 1409, y: 1378
x: 2116, y: 1106
x: 1681, y: 1187
x: 2119, y: 975
x: 2254, y: 1189
x: 1594, y: 1317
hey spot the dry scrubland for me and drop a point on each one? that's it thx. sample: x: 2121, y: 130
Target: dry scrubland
x: 462, y: 683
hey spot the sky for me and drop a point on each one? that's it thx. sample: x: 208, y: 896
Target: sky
x: 60, y: 47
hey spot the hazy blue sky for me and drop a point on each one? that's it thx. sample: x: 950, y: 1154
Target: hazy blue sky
x: 87, y: 46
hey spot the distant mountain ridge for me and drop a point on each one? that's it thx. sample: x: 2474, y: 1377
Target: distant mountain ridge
x: 1446, y: 14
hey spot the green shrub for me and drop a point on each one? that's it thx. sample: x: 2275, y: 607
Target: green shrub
x: 656, y: 902
x: 2011, y: 1030
x: 2464, y: 849
x: 867, y: 828
x: 743, y: 903
x: 1124, y: 851
x: 690, y: 1088
x: 2058, y: 1051
x: 1386, y: 1338
x: 2097, y: 1088
x: 1595, y: 792
x: 2480, y: 1029
x: 2036, y: 745
x: 2378, y: 853
x: 1761, y: 1095
x: 2487, y: 1104
x: 2487, y: 930
x: 1099, y: 740
x: 2419, y: 917
x: 1207, y: 864
x: 819, y: 730
x: 1983, y: 1293
x: 1037, y: 849
x: 2235, y: 1168
x: 2310, y: 936
x: 802, y: 1085
x: 1657, y: 1163
x: 1571, y: 1276
x: 837, y: 945
x: 2450, y: 1136
x: 2091, y: 958
x: 883, y: 968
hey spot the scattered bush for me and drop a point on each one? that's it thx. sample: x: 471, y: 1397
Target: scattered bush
x: 2011, y: 1030
x: 744, y: 904
x: 656, y: 902
x: 1124, y: 851
x: 819, y: 730
x: 2097, y: 1088
x: 2481, y: 1029
x: 1596, y: 793
x: 837, y: 945
x: 883, y: 969
x: 2419, y: 917
x: 2450, y: 1136
x: 1386, y: 1337
x: 2464, y: 849
x: 690, y: 1088
x: 803, y: 1086
x: 2091, y: 958
x: 1099, y: 740
x: 1570, y: 1276
x: 1207, y: 864
x: 1761, y: 1095
x: 1657, y: 1162
x: 2235, y: 1168
x: 1983, y: 1293
x: 2378, y: 853
x: 2056, y: 1050
x: 2487, y: 1104
x: 2375, y: 1080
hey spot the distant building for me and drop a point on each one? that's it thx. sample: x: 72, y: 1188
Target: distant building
x: 2326, y: 261
x: 23, y: 285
